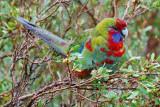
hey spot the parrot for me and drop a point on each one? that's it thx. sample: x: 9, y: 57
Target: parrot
x: 104, y: 45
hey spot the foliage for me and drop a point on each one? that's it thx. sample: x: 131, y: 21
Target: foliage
x: 31, y: 74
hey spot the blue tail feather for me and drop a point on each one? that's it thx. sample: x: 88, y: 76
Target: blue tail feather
x: 58, y: 44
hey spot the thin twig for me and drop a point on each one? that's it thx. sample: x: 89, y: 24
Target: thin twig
x: 127, y: 8
x: 115, y: 14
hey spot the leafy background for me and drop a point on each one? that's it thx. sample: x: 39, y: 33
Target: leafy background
x: 29, y: 69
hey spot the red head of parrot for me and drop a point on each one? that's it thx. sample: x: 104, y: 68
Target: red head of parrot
x: 121, y: 26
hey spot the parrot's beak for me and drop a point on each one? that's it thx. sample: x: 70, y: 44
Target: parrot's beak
x: 124, y: 32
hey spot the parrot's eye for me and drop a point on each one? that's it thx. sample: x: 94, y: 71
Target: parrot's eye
x: 125, y: 32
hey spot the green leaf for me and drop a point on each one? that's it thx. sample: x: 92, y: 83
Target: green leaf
x: 104, y: 72
x: 133, y: 95
x: 136, y: 75
x: 157, y: 101
x: 143, y: 90
x: 148, y: 28
x: 158, y: 59
x: 134, y: 103
x: 143, y: 77
x: 156, y: 4
x: 152, y: 57
x: 111, y: 95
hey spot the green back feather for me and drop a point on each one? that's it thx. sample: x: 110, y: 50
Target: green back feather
x: 103, y: 26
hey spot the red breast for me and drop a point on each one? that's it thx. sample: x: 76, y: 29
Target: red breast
x: 115, y: 46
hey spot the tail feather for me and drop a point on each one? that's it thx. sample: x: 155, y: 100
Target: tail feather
x: 58, y: 44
